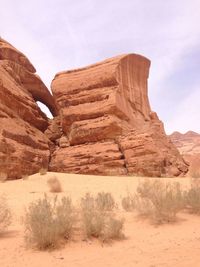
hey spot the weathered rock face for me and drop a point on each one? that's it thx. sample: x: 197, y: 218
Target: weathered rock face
x: 103, y: 123
x: 24, y: 148
x: 107, y: 124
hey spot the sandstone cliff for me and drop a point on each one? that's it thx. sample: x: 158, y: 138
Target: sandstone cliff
x: 107, y: 123
x: 24, y: 148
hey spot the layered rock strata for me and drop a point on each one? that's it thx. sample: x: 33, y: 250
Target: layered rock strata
x: 24, y: 148
x: 107, y: 123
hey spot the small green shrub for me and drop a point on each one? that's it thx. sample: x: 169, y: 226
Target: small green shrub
x: 48, y: 222
x: 5, y: 214
x: 159, y: 200
x: 97, y: 219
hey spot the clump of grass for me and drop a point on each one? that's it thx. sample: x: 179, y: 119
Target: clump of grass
x: 192, y: 197
x: 43, y: 171
x: 159, y: 201
x: 5, y: 214
x: 54, y: 185
x: 97, y: 219
x: 48, y: 222
x: 128, y: 202
x: 3, y: 177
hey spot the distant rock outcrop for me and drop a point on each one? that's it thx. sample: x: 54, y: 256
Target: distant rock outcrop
x: 24, y: 149
x: 107, y: 124
x: 188, y: 144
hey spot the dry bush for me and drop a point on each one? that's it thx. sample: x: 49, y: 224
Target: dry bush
x: 159, y: 201
x: 5, y: 214
x: 105, y: 201
x: 98, y: 221
x: 128, y: 202
x: 54, y: 185
x: 48, y: 222
x: 3, y: 177
x: 43, y: 171
x: 113, y: 228
x: 192, y: 197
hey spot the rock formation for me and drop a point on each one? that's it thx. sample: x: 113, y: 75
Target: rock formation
x: 107, y: 126
x: 24, y: 149
x: 103, y: 123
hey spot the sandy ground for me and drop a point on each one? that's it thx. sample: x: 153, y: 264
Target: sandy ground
x: 146, y: 245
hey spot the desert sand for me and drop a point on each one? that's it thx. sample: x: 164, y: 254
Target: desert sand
x: 145, y: 244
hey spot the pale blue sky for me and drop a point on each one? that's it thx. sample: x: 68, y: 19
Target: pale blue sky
x: 60, y: 35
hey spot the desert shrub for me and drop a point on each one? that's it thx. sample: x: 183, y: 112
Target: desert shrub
x: 43, y: 171
x: 105, y: 201
x: 192, y: 197
x: 113, y: 228
x: 98, y: 221
x: 48, y: 222
x: 54, y: 185
x: 3, y: 177
x: 159, y: 200
x: 5, y: 214
x: 128, y: 202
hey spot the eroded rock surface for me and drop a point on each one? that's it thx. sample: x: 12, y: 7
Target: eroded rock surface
x: 107, y: 123
x: 24, y: 149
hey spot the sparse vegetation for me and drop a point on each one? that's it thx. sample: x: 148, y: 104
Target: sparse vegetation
x: 192, y: 197
x: 48, y: 222
x: 105, y: 201
x: 5, y: 214
x: 97, y: 218
x: 128, y: 202
x: 54, y: 185
x: 159, y: 200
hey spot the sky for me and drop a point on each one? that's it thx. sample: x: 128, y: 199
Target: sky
x: 65, y: 34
